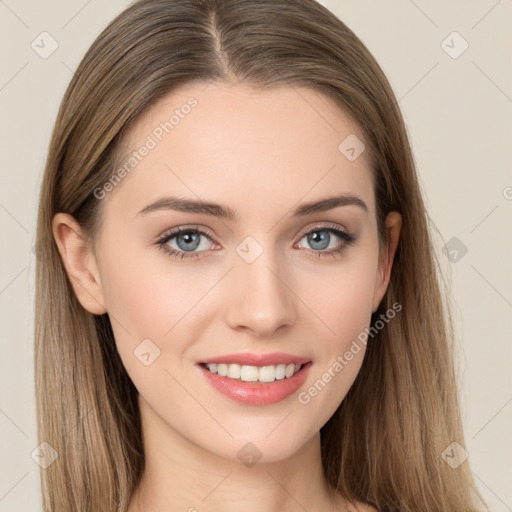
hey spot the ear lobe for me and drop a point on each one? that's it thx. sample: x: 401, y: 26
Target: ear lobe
x: 79, y: 262
x: 393, y: 228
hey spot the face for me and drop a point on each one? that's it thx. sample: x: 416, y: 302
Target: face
x: 273, y: 279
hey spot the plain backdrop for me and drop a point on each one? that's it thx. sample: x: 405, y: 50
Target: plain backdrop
x: 455, y: 91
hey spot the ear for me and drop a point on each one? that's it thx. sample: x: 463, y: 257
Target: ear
x: 80, y: 263
x: 387, y: 254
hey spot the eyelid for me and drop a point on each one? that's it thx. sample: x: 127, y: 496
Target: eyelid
x: 168, y: 233
x: 322, y: 225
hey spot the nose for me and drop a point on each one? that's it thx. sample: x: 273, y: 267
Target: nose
x: 260, y: 298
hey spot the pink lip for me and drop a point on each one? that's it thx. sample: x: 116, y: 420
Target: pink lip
x: 257, y: 393
x: 248, y: 359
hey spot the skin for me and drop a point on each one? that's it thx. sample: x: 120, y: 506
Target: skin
x: 260, y: 153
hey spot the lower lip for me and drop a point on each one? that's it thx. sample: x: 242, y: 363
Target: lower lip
x: 257, y: 393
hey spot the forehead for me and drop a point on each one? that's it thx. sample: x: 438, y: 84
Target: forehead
x: 242, y: 146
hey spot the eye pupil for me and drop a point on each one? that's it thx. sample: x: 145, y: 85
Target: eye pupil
x: 190, y: 238
x: 319, y: 237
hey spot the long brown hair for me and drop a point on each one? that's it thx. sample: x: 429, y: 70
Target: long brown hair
x: 384, y: 444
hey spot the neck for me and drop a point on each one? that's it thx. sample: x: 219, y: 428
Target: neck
x: 181, y: 476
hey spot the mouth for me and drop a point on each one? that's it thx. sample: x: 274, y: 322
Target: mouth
x: 254, y: 379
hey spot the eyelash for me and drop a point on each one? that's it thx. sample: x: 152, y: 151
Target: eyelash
x: 348, y: 239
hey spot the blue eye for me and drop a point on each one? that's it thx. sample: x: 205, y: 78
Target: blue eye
x: 188, y: 240
x: 320, y: 237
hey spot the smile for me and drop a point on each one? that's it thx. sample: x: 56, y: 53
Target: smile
x: 256, y: 384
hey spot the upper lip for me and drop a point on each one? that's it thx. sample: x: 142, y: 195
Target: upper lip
x: 248, y: 359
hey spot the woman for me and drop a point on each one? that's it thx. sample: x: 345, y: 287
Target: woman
x: 237, y: 300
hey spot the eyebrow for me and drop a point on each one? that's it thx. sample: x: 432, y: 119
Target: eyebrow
x: 208, y: 208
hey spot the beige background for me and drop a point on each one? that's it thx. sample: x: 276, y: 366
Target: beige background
x: 458, y: 112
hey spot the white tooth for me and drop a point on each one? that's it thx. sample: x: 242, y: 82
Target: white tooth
x: 254, y: 373
x: 280, y: 371
x: 233, y: 371
x: 222, y: 369
x: 249, y: 373
x: 212, y: 367
x: 267, y: 373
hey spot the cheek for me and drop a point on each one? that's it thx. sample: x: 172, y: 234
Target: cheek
x: 346, y: 310
x: 148, y: 293
x: 341, y: 297
x: 151, y: 296
x: 344, y: 306
x: 153, y: 304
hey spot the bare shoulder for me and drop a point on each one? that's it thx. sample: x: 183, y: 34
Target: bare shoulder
x: 359, y: 507
x: 363, y: 507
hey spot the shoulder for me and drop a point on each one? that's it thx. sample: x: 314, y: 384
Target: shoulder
x: 366, y: 508
x: 363, y: 507
x: 359, y: 507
